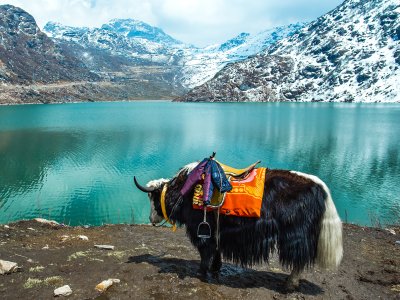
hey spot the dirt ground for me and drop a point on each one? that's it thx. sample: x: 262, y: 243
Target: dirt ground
x: 156, y: 263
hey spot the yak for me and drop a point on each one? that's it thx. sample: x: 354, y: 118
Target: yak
x: 298, y: 221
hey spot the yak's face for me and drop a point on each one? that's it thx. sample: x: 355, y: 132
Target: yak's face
x: 154, y: 188
x: 156, y: 215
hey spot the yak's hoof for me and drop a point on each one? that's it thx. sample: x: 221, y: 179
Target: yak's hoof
x: 215, y: 275
x: 291, y: 286
x: 202, y: 274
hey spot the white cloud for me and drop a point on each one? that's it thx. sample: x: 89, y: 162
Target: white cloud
x: 200, y: 22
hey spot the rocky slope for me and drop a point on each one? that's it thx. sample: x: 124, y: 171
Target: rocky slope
x: 27, y: 55
x: 350, y: 54
x: 201, y: 64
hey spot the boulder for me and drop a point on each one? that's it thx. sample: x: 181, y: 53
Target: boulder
x: 105, y: 284
x: 63, y: 291
x: 7, y: 267
x: 105, y: 247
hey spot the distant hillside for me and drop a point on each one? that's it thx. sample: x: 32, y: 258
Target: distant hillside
x: 36, y: 69
x: 27, y: 55
x: 350, y: 54
x: 200, y: 65
x: 125, y: 52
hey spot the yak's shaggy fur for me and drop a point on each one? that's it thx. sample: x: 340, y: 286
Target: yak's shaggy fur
x: 298, y: 220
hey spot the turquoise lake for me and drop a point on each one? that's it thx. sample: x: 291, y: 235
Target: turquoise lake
x: 75, y: 163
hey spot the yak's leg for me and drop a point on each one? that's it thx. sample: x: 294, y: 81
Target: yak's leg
x: 216, y: 264
x: 206, y: 251
x: 293, y: 280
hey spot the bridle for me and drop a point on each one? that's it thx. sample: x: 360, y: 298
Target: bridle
x: 162, y: 202
x: 164, y: 209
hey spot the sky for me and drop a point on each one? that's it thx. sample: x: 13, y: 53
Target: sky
x: 198, y: 22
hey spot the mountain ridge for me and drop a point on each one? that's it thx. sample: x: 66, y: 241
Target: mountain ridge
x: 350, y: 54
x: 193, y: 65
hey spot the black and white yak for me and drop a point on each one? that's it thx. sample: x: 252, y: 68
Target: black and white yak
x: 298, y: 220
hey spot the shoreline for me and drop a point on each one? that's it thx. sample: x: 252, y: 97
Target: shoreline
x: 385, y: 227
x: 156, y: 263
x: 86, y: 91
x: 106, y: 91
x: 199, y: 102
x: 86, y: 102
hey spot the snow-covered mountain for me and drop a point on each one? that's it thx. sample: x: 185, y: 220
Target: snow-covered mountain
x: 349, y: 54
x: 135, y: 43
x: 124, y: 37
x: 201, y: 64
x: 123, y: 59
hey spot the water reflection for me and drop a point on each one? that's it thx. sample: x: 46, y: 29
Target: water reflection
x: 75, y: 163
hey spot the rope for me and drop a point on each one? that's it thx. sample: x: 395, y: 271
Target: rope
x: 163, y: 208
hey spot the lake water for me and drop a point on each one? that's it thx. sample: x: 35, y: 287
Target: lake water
x: 75, y: 162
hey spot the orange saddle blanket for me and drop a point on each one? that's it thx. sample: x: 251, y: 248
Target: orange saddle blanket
x: 245, y: 198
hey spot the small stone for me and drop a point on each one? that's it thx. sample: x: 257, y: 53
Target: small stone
x: 397, y: 242
x: 83, y: 237
x: 49, y: 222
x: 63, y: 291
x: 392, y: 231
x: 396, y: 288
x: 105, y: 247
x: 105, y: 284
x: 64, y: 238
x: 30, y: 228
x: 7, y: 267
x: 46, y: 247
x: 6, y: 226
x: 86, y: 226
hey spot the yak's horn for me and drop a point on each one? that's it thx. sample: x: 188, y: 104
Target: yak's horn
x: 143, y: 188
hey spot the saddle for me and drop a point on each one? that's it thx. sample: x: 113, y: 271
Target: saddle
x: 238, y: 173
x: 246, y: 185
x: 244, y: 200
x: 245, y: 197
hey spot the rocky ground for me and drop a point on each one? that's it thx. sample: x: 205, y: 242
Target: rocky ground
x: 156, y: 263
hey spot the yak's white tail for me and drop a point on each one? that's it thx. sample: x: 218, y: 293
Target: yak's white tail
x: 330, y: 245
